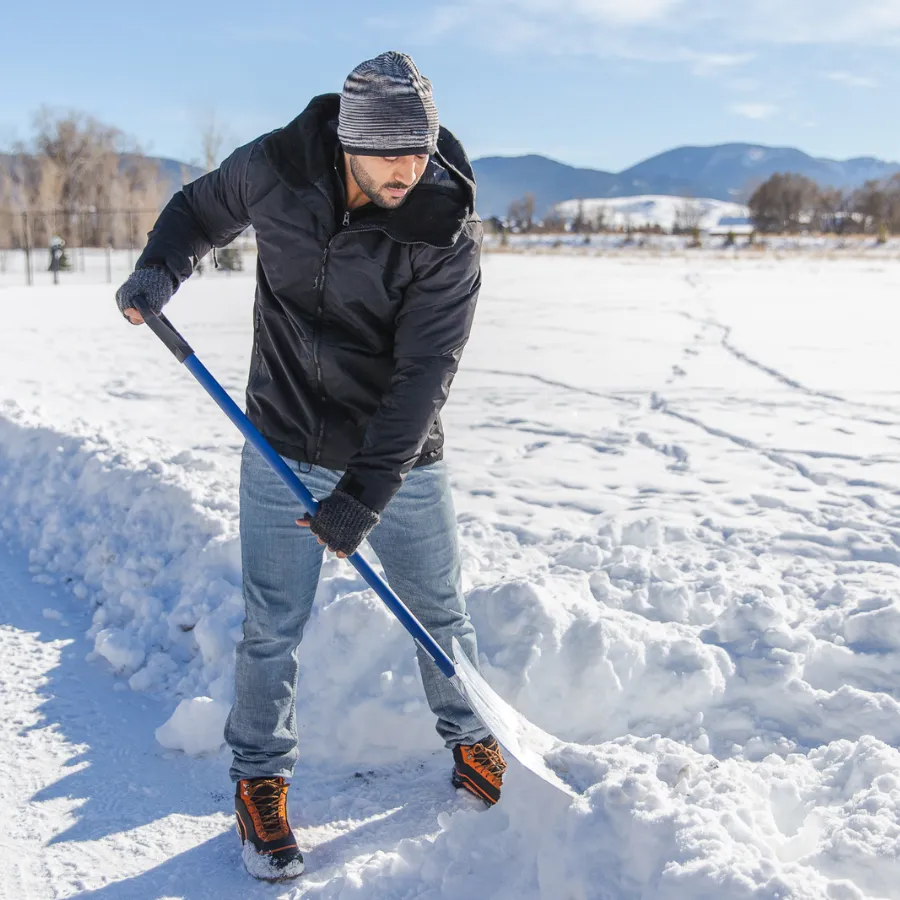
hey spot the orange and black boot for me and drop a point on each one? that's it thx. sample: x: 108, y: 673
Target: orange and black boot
x: 270, y: 851
x: 479, y: 768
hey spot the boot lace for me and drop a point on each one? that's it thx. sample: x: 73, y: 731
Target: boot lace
x: 267, y: 796
x: 489, y: 757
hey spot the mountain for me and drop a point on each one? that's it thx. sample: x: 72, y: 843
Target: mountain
x: 172, y: 173
x: 503, y: 179
x: 175, y: 174
x: 725, y: 172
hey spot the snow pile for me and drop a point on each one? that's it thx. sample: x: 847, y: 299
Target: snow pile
x: 657, y: 821
x: 718, y: 653
x: 163, y: 575
x: 195, y: 727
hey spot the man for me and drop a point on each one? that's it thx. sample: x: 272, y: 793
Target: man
x: 367, y: 277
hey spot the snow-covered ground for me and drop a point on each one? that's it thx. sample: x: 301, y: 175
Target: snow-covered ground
x: 678, y: 491
x: 649, y: 210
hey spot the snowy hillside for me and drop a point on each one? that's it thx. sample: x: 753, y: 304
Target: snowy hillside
x: 651, y: 210
x: 678, y: 490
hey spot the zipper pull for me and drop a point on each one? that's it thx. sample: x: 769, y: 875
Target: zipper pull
x: 346, y: 219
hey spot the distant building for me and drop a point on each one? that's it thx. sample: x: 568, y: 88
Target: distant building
x: 737, y: 225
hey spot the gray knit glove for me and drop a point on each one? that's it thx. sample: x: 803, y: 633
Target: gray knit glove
x: 154, y: 283
x: 343, y: 522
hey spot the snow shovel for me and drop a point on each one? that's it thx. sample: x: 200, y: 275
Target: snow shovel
x: 524, y: 740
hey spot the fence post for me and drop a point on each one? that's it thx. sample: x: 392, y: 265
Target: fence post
x: 26, y: 237
x: 81, y: 241
x: 109, y: 244
x: 130, y: 240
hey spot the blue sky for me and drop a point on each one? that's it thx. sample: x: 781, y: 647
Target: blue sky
x: 599, y: 83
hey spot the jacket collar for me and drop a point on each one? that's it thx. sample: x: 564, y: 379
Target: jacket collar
x: 302, y: 155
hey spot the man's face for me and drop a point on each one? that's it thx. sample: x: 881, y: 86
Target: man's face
x: 387, y: 180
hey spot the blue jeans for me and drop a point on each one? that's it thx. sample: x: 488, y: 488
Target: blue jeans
x: 416, y: 543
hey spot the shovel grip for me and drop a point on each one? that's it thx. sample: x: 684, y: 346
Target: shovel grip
x: 163, y: 329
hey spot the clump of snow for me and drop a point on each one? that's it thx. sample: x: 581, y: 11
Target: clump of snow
x: 260, y: 866
x: 123, y: 651
x: 195, y: 727
x: 644, y: 533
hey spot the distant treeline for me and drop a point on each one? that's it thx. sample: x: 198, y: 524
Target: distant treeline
x: 790, y: 203
x: 598, y: 219
x: 787, y: 203
x: 78, y: 179
x: 521, y: 217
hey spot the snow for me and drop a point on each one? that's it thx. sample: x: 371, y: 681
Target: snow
x: 195, y: 727
x: 648, y: 210
x: 678, y: 494
x: 261, y: 866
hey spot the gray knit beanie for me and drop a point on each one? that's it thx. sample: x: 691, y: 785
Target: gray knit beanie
x: 387, y: 109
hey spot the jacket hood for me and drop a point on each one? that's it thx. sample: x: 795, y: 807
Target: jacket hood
x: 302, y: 155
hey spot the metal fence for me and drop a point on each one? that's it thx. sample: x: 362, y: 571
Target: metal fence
x: 99, y: 244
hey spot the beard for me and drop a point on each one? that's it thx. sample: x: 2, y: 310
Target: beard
x: 374, y: 191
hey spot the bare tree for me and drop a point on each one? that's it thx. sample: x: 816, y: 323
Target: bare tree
x: 893, y: 193
x: 84, y: 153
x: 528, y: 211
x: 579, y: 223
x: 515, y: 214
x: 781, y: 203
x: 872, y: 204
x: 73, y: 173
x: 7, y: 209
x: 688, y: 216
x: 554, y: 222
x: 830, y: 211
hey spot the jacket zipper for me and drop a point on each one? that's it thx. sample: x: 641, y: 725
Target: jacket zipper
x: 317, y: 336
x: 320, y: 313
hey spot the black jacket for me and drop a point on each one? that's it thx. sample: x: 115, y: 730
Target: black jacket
x: 359, y: 327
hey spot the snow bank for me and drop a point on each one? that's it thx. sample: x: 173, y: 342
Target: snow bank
x: 162, y: 573
x: 657, y: 821
x: 632, y: 629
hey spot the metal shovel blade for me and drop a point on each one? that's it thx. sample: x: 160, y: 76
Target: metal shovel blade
x: 524, y: 740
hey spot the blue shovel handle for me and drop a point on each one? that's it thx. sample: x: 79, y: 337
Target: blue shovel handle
x: 182, y: 351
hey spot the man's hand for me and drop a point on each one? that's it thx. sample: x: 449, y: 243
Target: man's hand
x: 304, y: 523
x: 341, y: 524
x: 154, y: 284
